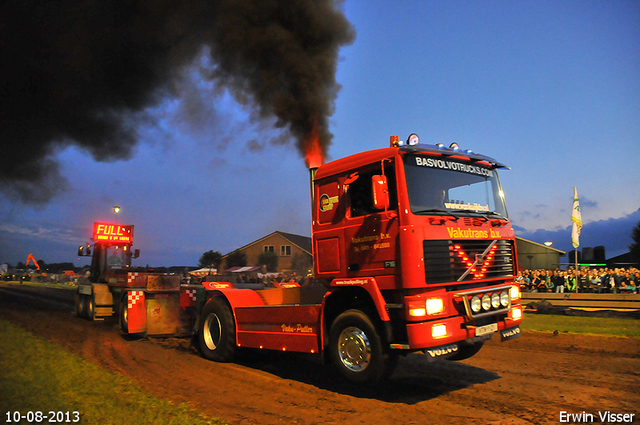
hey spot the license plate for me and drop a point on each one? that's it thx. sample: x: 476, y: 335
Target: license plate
x: 487, y: 329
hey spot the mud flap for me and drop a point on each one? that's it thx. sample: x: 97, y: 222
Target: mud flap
x: 164, y: 314
x: 441, y: 352
x: 511, y: 333
x: 137, y: 312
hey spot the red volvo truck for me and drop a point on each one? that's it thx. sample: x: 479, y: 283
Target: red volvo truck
x: 415, y: 252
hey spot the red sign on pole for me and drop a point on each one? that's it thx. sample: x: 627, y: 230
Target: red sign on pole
x: 106, y: 232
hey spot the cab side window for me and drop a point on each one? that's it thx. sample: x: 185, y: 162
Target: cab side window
x: 361, y: 194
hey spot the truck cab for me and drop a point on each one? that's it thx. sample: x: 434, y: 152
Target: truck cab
x: 422, y: 231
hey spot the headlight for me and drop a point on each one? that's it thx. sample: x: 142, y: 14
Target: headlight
x: 435, y: 306
x: 417, y: 308
x: 486, y: 302
x: 515, y: 292
x: 504, y: 298
x: 516, y: 313
x: 417, y: 312
x: 475, y: 304
x: 495, y: 300
x: 439, y: 331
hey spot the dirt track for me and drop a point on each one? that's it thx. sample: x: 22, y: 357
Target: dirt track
x: 528, y: 380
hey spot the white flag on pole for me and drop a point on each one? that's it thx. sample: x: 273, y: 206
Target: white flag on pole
x: 576, y: 218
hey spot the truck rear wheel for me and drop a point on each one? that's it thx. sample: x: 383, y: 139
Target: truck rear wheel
x: 356, y: 349
x: 217, y: 331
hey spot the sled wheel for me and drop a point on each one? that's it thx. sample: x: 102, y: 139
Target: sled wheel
x: 80, y: 305
x: 356, y: 349
x: 124, y: 313
x: 90, y: 307
x: 217, y: 331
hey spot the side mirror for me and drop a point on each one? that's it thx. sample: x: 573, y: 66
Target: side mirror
x: 380, y: 190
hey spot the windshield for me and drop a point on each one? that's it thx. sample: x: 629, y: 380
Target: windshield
x: 452, y: 187
x: 117, y: 257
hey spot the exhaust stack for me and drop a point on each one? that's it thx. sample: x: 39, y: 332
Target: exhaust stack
x: 312, y: 185
x: 314, y: 157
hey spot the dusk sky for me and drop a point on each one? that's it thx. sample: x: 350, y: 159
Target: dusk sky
x: 550, y: 88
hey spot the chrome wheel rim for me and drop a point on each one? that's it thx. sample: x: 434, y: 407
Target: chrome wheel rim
x: 212, y: 332
x: 354, y: 349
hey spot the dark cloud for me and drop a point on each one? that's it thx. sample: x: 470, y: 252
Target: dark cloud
x: 614, y: 234
x: 83, y: 73
x: 584, y: 202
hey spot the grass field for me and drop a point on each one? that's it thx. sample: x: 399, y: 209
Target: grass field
x: 54, y: 285
x: 39, y: 376
x: 584, y: 325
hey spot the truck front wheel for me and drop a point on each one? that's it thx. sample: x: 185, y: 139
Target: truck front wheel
x: 356, y: 349
x: 217, y: 331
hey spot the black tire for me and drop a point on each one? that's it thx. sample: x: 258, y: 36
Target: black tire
x: 90, y: 307
x: 356, y: 349
x: 124, y: 313
x: 466, y: 350
x: 217, y: 331
x: 80, y: 305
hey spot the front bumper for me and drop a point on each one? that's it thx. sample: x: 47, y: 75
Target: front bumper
x: 441, y: 332
x: 448, y: 350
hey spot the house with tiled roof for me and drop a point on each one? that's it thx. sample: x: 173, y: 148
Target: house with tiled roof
x: 293, y: 251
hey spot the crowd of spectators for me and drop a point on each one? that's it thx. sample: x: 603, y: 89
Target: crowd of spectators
x: 597, y: 280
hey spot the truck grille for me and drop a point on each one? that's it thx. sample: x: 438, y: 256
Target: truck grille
x: 468, y: 260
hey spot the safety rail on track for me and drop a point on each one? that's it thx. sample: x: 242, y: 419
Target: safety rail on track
x: 585, y: 300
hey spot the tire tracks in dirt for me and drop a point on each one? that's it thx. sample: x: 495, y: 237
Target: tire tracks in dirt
x: 525, y: 381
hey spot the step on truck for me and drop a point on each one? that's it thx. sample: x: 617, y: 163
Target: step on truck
x: 413, y: 251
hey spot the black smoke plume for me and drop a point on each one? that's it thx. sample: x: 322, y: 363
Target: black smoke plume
x: 84, y: 73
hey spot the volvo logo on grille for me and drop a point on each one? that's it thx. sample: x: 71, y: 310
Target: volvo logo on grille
x: 479, y: 266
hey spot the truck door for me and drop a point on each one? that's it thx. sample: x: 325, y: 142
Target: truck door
x: 328, y: 235
x: 371, y: 233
